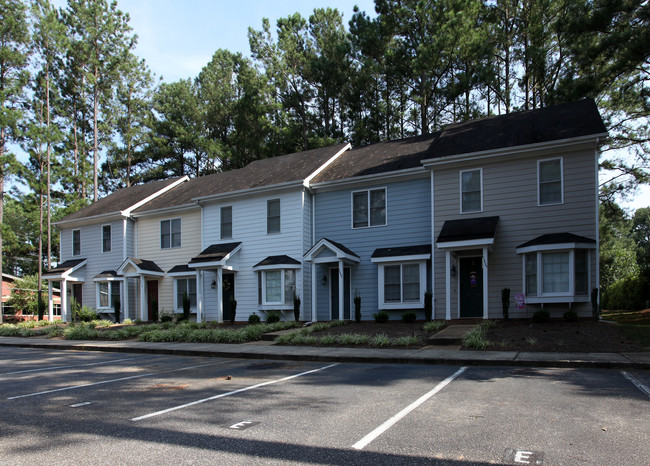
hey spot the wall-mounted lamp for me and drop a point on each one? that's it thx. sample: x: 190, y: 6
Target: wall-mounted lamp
x: 324, y: 280
x: 213, y: 285
x: 452, y: 272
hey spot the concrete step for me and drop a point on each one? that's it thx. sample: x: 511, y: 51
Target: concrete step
x: 452, y: 335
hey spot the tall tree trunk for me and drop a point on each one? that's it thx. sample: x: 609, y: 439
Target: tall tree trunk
x: 49, y: 186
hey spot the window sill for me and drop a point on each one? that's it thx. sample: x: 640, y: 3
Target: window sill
x: 276, y: 307
x: 556, y: 299
x: 401, y: 306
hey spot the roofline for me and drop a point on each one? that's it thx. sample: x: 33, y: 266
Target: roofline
x: 307, y: 180
x: 247, y: 191
x: 407, y: 172
x: 127, y: 212
x: 163, y: 210
x: 116, y: 214
x: 447, y: 159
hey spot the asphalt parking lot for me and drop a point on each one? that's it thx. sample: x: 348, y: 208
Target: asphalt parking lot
x: 69, y: 407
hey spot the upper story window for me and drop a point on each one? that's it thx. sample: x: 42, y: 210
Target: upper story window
x: 226, y: 222
x: 550, y: 189
x: 471, y: 188
x: 369, y: 208
x: 170, y: 233
x: 106, y: 238
x: 76, y: 242
x: 273, y: 216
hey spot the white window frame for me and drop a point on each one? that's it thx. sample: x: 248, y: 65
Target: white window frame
x: 221, y: 223
x: 460, y: 177
x: 368, y: 191
x: 110, y: 284
x: 277, y: 305
x: 171, y: 236
x: 178, y: 307
x: 402, y: 304
x: 268, y: 202
x: 110, y: 237
x: 73, y: 233
x: 539, y: 182
x: 557, y: 297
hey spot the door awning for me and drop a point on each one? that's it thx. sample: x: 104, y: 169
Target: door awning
x: 467, y: 233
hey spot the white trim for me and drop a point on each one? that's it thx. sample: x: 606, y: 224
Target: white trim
x: 127, y: 212
x: 569, y: 296
x: 139, y: 272
x: 402, y: 304
x: 555, y: 247
x: 467, y: 244
x: 124, y: 238
x: 408, y: 258
x: 518, y: 150
x: 109, y: 283
x: 185, y: 273
x: 65, y: 275
x: 539, y: 186
x: 460, y: 177
x: 102, y: 237
x: 219, y: 263
x: 307, y: 180
x: 108, y: 279
x: 171, y: 235
x: 339, y: 254
x: 277, y: 305
x: 352, y: 193
x: 195, y: 276
x: 409, y: 173
x: 277, y: 267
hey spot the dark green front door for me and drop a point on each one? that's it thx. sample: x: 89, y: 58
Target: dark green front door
x: 471, y: 286
x: 227, y: 295
x: 334, y: 296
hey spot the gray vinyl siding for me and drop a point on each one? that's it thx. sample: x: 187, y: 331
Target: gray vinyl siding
x: 130, y: 239
x: 408, y: 223
x: 249, y: 216
x: 91, y: 250
x: 510, y: 191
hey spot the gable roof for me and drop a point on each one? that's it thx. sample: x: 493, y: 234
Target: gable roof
x: 120, y: 200
x: 559, y: 122
x: 260, y: 173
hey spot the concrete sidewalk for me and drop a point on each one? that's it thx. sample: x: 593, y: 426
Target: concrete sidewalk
x: 426, y: 355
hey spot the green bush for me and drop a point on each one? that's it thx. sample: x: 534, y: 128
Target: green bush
x: 541, y: 316
x: 117, y: 307
x: 166, y: 317
x: 186, y: 306
x: 570, y: 315
x: 357, y: 307
x: 80, y: 332
x: 296, y: 307
x: 83, y: 313
x: 154, y: 310
x: 381, y: 317
x: 476, y: 339
x: 629, y: 294
x: 434, y: 326
x: 428, y: 306
x: 272, y: 317
x: 233, y: 310
x: 253, y: 319
x: 409, y: 317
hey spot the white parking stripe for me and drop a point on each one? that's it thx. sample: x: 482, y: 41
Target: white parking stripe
x: 393, y: 420
x: 74, y: 387
x: 637, y: 383
x: 64, y: 367
x: 234, y: 392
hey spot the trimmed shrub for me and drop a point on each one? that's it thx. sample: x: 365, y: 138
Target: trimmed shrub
x: 117, y: 307
x: 570, y: 315
x: 428, y: 306
x: 409, y: 317
x: 272, y: 317
x: 541, y: 316
x: 381, y: 317
x: 296, y: 307
x: 186, y: 306
x: 233, y: 310
x: 166, y: 317
x: 253, y: 319
x: 154, y: 310
x: 505, y: 302
x: 357, y: 307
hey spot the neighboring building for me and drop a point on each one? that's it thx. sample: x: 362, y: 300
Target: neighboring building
x: 9, y: 287
x: 94, y: 242
x: 502, y: 202
x: 509, y: 201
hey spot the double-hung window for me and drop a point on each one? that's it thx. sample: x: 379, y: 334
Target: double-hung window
x: 276, y: 288
x: 471, y: 187
x: 273, y: 216
x: 76, y: 242
x: 108, y: 293
x: 369, y: 208
x: 401, y: 284
x: 226, y: 222
x: 556, y: 275
x: 549, y: 173
x: 170, y: 233
x: 185, y: 286
x: 106, y: 238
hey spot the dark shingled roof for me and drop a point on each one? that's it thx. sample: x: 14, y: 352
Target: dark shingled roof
x: 147, y: 265
x: 180, y: 268
x: 342, y: 248
x: 546, y: 124
x: 264, y: 172
x: 402, y: 251
x: 65, y: 266
x: 215, y: 252
x: 557, y: 238
x: 278, y: 260
x: 119, y: 200
x: 468, y: 229
x: 107, y: 274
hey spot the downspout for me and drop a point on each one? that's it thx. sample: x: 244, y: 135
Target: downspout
x: 433, y: 250
x: 597, y: 225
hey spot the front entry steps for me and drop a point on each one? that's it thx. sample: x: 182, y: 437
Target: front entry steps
x: 451, y: 335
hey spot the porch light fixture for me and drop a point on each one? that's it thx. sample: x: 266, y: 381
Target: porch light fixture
x: 324, y: 280
x: 213, y: 285
x: 452, y: 272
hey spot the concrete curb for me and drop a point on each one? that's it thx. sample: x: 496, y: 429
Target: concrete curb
x: 352, y: 355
